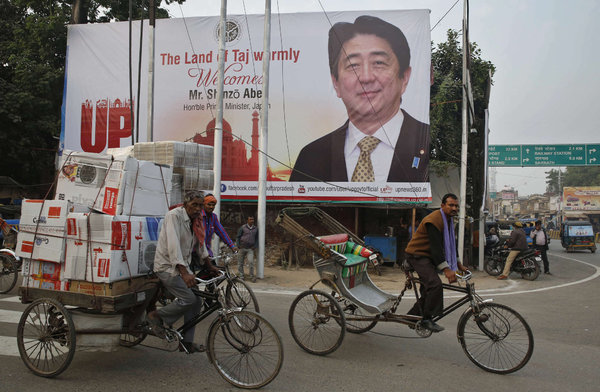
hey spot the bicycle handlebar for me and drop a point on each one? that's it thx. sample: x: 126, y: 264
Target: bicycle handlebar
x: 212, y: 280
x: 466, y: 275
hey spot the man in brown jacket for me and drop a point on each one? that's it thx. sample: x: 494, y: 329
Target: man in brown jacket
x: 432, y: 249
x: 517, y: 242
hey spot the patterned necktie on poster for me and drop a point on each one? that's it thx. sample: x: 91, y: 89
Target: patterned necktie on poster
x: 363, y: 172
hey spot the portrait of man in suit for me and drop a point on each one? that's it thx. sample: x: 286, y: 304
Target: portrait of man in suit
x: 369, y: 62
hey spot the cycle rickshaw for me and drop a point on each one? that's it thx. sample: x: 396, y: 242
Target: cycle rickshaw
x: 243, y: 346
x: 493, y: 336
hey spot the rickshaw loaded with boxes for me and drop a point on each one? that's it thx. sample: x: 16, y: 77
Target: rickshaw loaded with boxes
x: 93, y: 247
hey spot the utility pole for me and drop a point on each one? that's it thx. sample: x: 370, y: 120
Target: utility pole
x: 560, y: 195
x: 218, y: 144
x: 263, y: 162
x: 466, y: 101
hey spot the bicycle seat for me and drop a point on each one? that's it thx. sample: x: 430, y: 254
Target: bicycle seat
x: 406, y: 267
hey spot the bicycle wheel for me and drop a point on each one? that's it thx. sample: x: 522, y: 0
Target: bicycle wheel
x: 239, y: 295
x: 317, y: 322
x: 247, y: 357
x: 497, y: 338
x: 352, y: 313
x: 8, y: 272
x: 46, y: 337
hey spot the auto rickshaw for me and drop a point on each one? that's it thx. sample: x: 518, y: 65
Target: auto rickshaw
x: 576, y: 235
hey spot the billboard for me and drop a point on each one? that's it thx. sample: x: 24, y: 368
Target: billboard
x: 581, y: 198
x: 316, y: 61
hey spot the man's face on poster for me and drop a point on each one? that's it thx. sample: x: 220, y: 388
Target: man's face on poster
x: 369, y: 81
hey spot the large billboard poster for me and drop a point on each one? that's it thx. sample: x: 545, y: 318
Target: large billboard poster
x: 581, y: 198
x: 348, y: 99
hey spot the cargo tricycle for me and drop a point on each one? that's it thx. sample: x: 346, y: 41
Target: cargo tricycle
x: 243, y: 346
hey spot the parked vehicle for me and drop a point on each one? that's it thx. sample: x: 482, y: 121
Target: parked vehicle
x: 527, y: 262
x: 577, y: 234
x: 504, y: 229
x: 10, y: 264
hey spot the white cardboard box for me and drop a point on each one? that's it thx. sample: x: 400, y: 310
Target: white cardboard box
x: 42, y: 229
x: 47, y: 213
x: 117, y: 247
x: 48, y: 284
x: 114, y: 185
x: 42, y: 269
x: 48, y: 246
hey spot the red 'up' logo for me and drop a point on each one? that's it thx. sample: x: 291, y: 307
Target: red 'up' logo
x: 105, y: 123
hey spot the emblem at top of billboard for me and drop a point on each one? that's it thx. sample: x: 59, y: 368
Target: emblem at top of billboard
x: 233, y: 31
x: 370, y: 68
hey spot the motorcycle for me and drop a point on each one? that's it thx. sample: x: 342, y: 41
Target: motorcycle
x: 527, y: 263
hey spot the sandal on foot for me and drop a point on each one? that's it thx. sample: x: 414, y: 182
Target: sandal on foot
x: 156, y: 325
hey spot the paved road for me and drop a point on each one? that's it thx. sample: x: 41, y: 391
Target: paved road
x: 562, y: 310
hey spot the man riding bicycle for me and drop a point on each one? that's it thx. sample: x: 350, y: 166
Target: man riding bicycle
x: 177, y: 240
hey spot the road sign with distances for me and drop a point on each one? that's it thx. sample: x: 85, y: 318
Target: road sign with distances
x: 504, y: 155
x: 544, y: 155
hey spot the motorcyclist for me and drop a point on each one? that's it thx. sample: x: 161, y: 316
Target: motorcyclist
x: 518, y: 243
x: 492, y: 238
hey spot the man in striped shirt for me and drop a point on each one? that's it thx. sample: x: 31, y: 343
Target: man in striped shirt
x: 212, y: 225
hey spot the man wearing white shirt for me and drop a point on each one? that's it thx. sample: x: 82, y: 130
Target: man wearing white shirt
x: 540, y: 242
x: 370, y: 70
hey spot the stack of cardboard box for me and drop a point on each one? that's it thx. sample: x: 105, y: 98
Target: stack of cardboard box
x: 102, y: 226
x: 192, y: 164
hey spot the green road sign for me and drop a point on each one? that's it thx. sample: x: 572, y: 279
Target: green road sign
x: 504, y: 155
x: 592, y: 154
x: 544, y: 155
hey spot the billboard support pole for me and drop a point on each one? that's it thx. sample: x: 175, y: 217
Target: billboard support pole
x: 262, y: 157
x: 465, y: 126
x: 151, y: 41
x: 218, y: 146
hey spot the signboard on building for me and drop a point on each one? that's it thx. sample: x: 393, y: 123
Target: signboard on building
x: 306, y: 103
x: 583, y: 198
x: 508, y: 195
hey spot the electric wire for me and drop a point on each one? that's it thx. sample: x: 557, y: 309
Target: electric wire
x: 447, y: 12
x: 287, y: 143
x: 194, y: 52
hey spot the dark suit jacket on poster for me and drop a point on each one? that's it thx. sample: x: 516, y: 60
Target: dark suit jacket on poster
x: 324, y: 158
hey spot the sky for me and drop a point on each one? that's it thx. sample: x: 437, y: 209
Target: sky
x: 546, y: 54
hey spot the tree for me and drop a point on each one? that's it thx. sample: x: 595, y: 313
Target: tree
x: 33, y: 42
x: 102, y: 11
x: 446, y: 111
x: 32, y: 50
x: 553, y: 187
x: 574, y: 176
x: 582, y: 176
